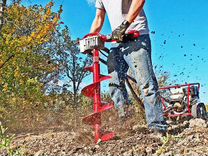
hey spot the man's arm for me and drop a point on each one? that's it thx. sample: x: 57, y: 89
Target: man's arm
x: 98, y: 21
x: 135, y: 9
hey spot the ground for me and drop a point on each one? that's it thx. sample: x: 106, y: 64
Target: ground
x: 187, y: 137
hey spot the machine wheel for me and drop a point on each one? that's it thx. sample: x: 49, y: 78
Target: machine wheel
x: 199, y: 111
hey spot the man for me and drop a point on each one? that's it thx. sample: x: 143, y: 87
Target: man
x: 124, y: 16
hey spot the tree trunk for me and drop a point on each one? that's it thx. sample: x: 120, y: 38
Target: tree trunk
x: 2, y: 6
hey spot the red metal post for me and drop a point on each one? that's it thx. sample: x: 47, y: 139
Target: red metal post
x: 97, y: 98
x: 188, y: 100
x: 163, y: 103
x: 96, y: 78
x: 93, y: 91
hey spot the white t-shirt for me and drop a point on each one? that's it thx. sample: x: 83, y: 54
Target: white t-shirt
x: 117, y: 11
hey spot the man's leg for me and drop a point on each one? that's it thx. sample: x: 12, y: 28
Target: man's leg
x: 117, y: 69
x: 137, y: 54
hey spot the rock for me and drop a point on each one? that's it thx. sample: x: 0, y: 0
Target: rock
x: 148, y: 150
x: 193, y: 153
x: 185, y: 123
x: 139, y: 126
x: 135, y: 127
x: 200, y: 123
x: 38, y: 153
x: 97, y: 146
x: 170, y: 153
x: 129, y: 153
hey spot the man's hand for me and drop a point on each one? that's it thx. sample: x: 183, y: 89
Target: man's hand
x: 119, y: 32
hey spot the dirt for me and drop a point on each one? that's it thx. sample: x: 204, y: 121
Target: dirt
x: 133, y: 138
x: 187, y: 137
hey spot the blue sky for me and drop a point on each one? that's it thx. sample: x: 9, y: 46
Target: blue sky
x: 180, y: 41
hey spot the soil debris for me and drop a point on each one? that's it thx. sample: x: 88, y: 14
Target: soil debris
x: 185, y: 138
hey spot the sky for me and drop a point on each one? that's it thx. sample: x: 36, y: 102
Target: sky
x: 179, y: 35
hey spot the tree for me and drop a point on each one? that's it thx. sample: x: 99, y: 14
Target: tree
x: 71, y: 65
x: 24, y: 32
x: 163, y: 79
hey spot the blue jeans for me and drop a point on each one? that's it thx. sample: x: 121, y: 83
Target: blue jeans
x: 135, y: 55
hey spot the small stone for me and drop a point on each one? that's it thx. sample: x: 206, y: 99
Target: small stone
x: 148, y: 150
x: 193, y: 153
x: 170, y: 153
x: 135, y: 127
x: 200, y: 123
x: 38, y: 153
x: 185, y: 122
x: 97, y: 146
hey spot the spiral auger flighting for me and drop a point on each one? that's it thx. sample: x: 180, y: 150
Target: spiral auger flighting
x: 93, y: 90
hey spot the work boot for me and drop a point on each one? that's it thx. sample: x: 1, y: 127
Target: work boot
x: 158, y: 128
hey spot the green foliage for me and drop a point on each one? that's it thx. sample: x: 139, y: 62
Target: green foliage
x: 6, y: 141
x: 86, y: 102
x: 23, y: 64
x: 25, y: 30
x: 167, y: 140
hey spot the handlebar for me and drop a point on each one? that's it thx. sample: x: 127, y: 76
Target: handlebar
x: 97, y: 41
x: 131, y: 35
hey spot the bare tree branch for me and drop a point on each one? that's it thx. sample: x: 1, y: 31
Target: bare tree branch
x: 3, y: 64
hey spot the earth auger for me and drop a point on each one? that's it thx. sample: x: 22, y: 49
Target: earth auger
x: 92, y: 44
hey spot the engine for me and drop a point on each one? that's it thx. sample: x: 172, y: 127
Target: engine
x: 176, y: 100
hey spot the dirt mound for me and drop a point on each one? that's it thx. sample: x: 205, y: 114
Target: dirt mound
x: 71, y: 143
x: 193, y: 140
x: 187, y: 138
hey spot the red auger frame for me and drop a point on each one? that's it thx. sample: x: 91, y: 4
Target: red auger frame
x: 93, y: 91
x: 189, y: 89
x: 92, y: 44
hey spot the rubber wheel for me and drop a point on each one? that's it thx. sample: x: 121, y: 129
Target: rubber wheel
x: 193, y: 111
x: 199, y: 111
